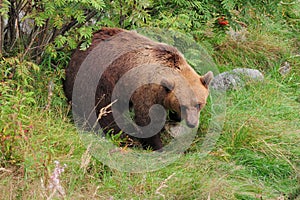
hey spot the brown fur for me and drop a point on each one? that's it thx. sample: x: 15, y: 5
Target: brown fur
x: 144, y: 52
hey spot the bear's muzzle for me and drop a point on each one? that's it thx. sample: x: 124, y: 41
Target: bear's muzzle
x: 192, y: 117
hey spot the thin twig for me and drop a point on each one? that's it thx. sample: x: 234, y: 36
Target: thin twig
x: 103, y: 112
x: 31, y: 43
x: 163, y: 185
x: 50, y: 94
x: 5, y: 170
x: 85, y: 159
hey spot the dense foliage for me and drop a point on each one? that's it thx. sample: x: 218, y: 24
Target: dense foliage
x: 38, y: 29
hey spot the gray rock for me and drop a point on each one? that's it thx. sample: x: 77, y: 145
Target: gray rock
x: 236, y: 78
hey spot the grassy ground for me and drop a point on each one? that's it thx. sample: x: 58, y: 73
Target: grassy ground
x: 256, y: 157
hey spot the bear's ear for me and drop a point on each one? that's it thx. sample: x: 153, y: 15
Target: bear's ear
x: 206, y: 78
x: 167, y: 84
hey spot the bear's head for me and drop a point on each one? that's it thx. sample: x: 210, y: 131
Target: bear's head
x: 186, y: 103
x: 186, y: 91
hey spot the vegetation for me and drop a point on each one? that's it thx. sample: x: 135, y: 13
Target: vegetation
x: 258, y: 153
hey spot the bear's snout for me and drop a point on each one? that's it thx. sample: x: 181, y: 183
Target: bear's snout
x: 192, y: 117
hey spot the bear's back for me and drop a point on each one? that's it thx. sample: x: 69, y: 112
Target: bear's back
x: 78, y: 56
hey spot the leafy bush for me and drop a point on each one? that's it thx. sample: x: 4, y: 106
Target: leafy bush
x: 17, y: 97
x: 37, y: 29
x: 24, y: 89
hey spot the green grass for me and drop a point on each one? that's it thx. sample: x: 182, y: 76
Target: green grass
x: 257, y: 154
x: 256, y: 157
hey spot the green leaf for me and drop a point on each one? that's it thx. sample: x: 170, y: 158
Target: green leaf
x: 228, y: 4
x: 60, y: 41
x: 97, y: 4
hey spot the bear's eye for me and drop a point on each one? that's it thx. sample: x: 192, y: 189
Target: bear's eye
x: 198, y: 106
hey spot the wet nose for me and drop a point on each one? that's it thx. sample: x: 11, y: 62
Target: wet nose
x: 190, y: 125
x: 192, y: 117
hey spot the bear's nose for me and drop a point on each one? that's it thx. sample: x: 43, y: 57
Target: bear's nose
x: 192, y: 117
x: 191, y: 125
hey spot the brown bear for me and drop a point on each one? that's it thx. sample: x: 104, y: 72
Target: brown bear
x: 139, y: 53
